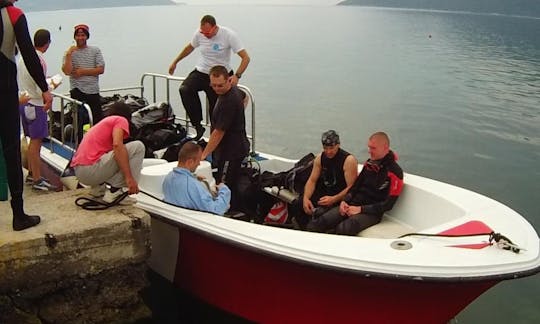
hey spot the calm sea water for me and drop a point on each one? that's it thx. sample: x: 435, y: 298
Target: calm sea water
x: 458, y: 93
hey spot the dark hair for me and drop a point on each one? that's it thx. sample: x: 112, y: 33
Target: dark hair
x: 120, y: 108
x: 219, y: 70
x: 189, y: 151
x: 208, y: 19
x: 5, y: 3
x: 42, y: 37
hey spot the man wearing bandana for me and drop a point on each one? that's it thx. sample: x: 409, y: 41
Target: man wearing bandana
x: 333, y: 174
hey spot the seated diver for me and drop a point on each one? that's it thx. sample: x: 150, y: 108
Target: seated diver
x: 182, y: 187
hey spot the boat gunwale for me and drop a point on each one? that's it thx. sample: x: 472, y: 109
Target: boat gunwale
x: 365, y: 273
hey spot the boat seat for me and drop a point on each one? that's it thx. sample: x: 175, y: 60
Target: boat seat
x: 386, y: 229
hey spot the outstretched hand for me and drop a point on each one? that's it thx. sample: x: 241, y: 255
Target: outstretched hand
x: 172, y: 67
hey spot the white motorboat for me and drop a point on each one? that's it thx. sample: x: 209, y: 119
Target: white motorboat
x: 437, y: 250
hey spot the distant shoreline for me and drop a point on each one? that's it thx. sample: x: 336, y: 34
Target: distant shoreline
x: 51, y: 5
x: 463, y: 12
x: 521, y: 8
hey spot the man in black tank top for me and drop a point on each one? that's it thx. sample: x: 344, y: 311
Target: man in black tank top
x: 333, y: 174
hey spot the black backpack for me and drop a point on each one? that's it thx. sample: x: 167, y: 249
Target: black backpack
x: 296, y: 178
x: 159, y: 135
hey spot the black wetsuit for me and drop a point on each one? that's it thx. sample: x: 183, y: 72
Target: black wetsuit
x: 14, y: 30
x: 228, y: 116
x: 331, y: 182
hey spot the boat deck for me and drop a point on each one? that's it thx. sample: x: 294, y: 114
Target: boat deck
x: 386, y: 229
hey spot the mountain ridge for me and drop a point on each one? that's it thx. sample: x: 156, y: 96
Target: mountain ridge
x: 530, y: 8
x: 49, y: 5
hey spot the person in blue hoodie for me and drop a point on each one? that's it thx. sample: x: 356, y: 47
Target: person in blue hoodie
x: 182, y: 187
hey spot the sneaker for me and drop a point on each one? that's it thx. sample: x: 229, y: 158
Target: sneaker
x: 98, y: 191
x: 200, y: 132
x: 43, y: 185
x: 29, y: 180
x: 110, y: 196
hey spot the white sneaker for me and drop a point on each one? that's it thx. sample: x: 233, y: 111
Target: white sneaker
x: 98, y: 191
x: 109, y: 197
x: 43, y: 185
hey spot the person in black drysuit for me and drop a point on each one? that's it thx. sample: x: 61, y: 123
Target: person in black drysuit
x: 14, y: 30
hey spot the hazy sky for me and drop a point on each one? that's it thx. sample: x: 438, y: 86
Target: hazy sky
x: 257, y: 2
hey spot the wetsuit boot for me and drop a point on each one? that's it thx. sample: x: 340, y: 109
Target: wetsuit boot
x: 200, y: 131
x: 22, y: 221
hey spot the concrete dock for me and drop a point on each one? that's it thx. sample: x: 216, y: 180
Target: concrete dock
x: 76, y: 265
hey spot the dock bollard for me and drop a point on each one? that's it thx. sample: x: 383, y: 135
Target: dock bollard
x: 3, y: 177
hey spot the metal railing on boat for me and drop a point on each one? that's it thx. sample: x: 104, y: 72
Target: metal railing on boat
x: 64, y: 143
x: 155, y: 97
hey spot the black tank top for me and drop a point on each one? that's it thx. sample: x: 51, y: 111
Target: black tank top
x: 332, y: 179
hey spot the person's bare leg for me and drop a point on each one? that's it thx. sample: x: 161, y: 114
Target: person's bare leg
x: 34, y: 161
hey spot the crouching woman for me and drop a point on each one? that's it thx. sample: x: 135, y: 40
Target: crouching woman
x: 102, y: 156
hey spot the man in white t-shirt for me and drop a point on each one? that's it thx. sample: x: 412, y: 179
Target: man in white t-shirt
x: 216, y: 44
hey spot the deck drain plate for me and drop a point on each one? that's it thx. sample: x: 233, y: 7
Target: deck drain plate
x: 401, y: 245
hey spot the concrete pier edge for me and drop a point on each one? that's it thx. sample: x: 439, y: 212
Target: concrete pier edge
x: 77, y: 265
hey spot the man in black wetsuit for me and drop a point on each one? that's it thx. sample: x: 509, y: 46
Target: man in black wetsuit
x: 14, y: 30
x: 333, y: 174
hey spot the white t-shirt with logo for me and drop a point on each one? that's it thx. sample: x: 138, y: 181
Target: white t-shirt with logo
x: 27, y: 83
x: 216, y: 50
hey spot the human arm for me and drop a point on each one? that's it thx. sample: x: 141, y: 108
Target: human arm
x: 242, y: 67
x: 79, y: 72
x: 122, y: 159
x: 67, y: 65
x: 218, y: 205
x: 310, y: 185
x: 395, y: 178
x: 76, y: 72
x: 28, y: 53
x: 350, y: 172
x: 215, y: 138
x: 185, y: 52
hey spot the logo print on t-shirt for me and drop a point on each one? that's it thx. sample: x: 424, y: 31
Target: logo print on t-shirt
x: 215, y: 47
